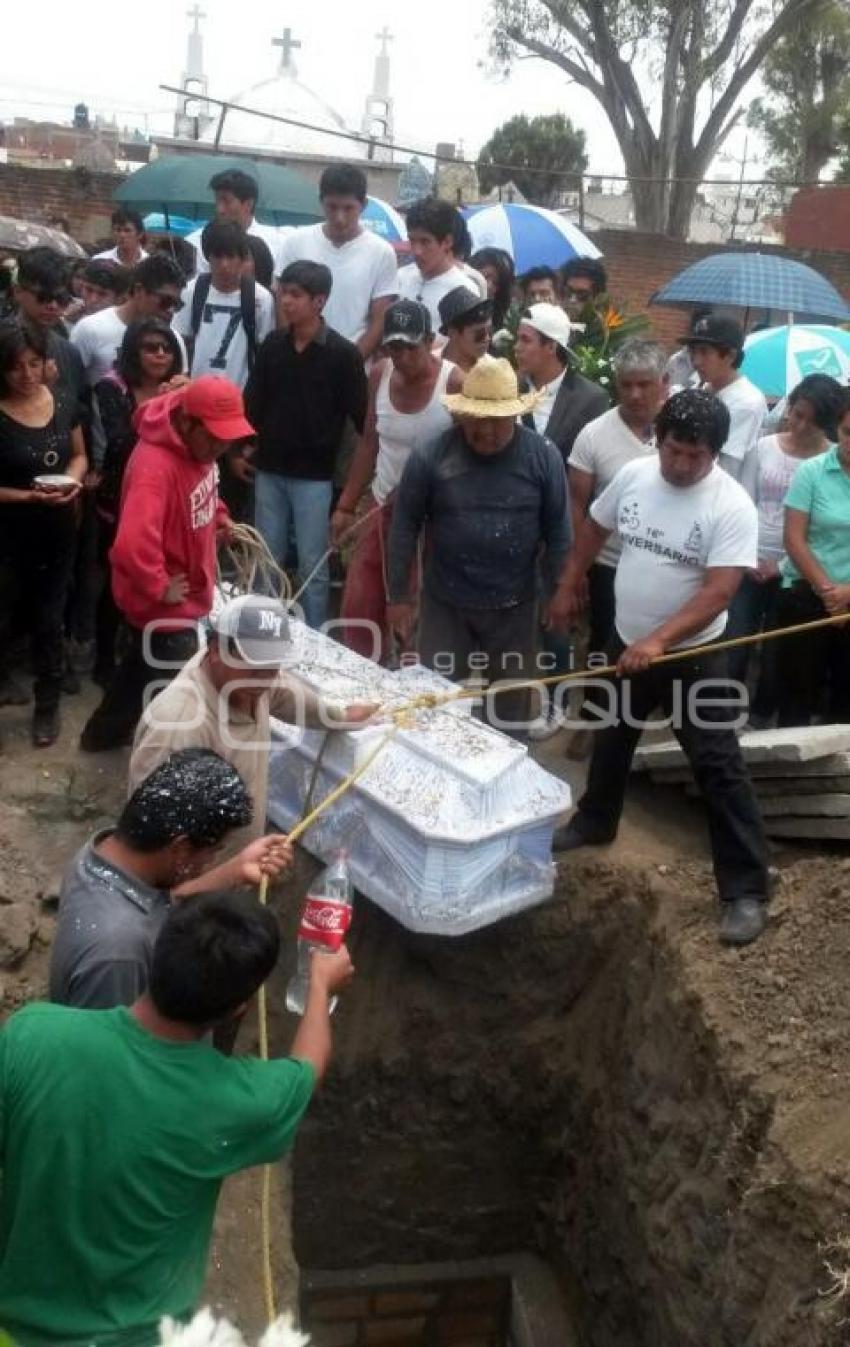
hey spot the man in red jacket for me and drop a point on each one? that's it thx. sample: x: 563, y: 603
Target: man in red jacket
x: 163, y: 558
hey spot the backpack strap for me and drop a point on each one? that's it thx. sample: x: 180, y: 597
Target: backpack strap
x: 248, y: 302
x: 200, y: 295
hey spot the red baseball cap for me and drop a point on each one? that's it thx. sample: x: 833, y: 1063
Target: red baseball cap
x: 217, y: 404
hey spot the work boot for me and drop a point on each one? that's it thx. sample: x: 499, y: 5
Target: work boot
x: 570, y: 838
x: 742, y: 921
x: 45, y: 726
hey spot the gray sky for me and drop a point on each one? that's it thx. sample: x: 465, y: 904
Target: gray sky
x: 114, y: 57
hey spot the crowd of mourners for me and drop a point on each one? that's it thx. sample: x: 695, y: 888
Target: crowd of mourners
x: 495, y: 518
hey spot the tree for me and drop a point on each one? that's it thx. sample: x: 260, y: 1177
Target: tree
x: 534, y: 147
x: 669, y: 75
x: 803, y: 117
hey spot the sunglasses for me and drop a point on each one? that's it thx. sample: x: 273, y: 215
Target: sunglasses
x: 60, y: 297
x: 155, y: 348
x: 168, y: 303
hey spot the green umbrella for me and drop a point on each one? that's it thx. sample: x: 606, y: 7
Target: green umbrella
x: 178, y: 184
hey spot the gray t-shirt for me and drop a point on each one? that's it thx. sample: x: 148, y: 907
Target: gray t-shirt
x: 108, y: 922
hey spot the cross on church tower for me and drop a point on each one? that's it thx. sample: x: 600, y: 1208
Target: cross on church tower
x: 197, y: 14
x: 384, y: 36
x: 288, y: 45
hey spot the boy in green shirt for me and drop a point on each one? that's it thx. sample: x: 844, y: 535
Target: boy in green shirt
x: 117, y: 1128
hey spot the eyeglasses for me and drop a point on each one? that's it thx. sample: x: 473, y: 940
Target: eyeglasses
x: 168, y: 303
x: 155, y: 348
x: 579, y: 296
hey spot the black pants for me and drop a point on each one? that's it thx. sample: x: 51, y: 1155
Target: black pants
x: 37, y: 575
x: 738, y: 845
x: 496, y: 644
x: 601, y: 606
x: 754, y: 608
x: 813, y: 669
x: 115, y: 720
x: 108, y: 620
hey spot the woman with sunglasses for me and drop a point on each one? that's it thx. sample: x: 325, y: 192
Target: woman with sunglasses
x: 40, y: 440
x: 149, y: 358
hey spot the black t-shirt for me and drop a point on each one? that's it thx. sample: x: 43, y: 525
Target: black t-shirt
x: 27, y: 452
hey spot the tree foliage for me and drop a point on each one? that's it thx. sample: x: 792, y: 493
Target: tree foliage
x: 803, y: 116
x: 549, y: 152
x: 669, y: 75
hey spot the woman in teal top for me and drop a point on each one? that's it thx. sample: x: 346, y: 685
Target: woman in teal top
x: 816, y: 583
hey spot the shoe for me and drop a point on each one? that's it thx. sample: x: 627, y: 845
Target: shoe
x: 70, y: 682
x: 45, y: 726
x: 569, y: 838
x: 100, y: 739
x: 547, y: 724
x: 13, y: 693
x: 742, y: 921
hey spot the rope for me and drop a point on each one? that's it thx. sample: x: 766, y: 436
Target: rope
x: 248, y: 554
x: 403, y: 717
x: 334, y: 547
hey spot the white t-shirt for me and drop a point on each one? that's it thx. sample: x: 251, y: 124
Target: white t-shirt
x: 98, y: 339
x: 776, y: 471
x: 670, y: 536
x: 273, y: 235
x: 410, y: 285
x: 747, y: 410
x: 363, y: 270
x: 111, y: 255
x: 545, y: 405
x: 221, y: 346
x: 601, y: 449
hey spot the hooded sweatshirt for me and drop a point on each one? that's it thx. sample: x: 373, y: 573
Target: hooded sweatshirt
x: 169, y: 515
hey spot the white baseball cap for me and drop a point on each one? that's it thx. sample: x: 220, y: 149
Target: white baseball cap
x: 551, y: 321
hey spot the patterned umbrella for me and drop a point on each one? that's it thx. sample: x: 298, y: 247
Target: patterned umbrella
x: 777, y: 358
x: 755, y: 281
x: 384, y: 220
x: 534, y: 237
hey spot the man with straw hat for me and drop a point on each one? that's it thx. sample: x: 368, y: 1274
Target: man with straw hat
x: 494, y: 495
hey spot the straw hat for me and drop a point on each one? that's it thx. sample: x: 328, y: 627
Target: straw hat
x: 491, y: 389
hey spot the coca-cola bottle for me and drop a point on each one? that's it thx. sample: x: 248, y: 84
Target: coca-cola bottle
x: 324, y: 922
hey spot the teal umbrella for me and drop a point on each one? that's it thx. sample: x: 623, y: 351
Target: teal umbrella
x: 777, y: 358
x: 178, y: 184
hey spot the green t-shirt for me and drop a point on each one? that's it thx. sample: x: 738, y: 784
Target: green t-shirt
x: 821, y: 489
x: 114, y: 1144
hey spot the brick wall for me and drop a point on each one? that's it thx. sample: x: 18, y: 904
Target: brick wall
x: 819, y: 216
x: 405, y: 1310
x: 639, y: 264
x: 42, y: 195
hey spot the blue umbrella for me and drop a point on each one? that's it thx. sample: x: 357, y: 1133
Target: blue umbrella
x: 755, y: 281
x: 384, y: 220
x: 533, y: 236
x: 156, y: 223
x: 777, y: 358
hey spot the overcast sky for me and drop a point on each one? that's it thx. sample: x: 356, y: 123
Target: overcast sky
x: 114, y: 56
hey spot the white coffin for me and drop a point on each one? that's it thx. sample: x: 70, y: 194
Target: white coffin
x: 450, y: 829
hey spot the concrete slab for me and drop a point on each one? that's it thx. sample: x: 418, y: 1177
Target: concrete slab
x: 793, y: 746
x: 768, y: 787
x: 819, y: 829
x: 835, y: 764
x: 806, y: 806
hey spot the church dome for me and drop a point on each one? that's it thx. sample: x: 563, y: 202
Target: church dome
x: 286, y: 96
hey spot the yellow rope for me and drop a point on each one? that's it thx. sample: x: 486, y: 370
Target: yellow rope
x: 402, y: 717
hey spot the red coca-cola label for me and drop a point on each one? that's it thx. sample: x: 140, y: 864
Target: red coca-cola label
x: 324, y: 922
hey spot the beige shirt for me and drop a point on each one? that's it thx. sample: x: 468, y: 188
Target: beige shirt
x: 191, y: 713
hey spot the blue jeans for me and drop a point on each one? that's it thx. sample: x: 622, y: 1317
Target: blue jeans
x: 292, y: 503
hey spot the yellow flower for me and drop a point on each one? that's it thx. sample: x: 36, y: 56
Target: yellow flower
x: 612, y: 319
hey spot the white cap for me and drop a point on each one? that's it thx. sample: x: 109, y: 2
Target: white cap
x: 551, y: 321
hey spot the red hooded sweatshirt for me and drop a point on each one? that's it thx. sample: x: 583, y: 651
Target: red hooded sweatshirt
x: 170, y: 512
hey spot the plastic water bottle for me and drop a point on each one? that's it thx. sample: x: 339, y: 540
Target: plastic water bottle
x: 324, y: 923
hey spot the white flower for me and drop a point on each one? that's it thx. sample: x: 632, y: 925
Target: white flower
x: 206, y: 1331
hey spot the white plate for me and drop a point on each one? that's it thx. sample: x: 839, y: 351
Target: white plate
x: 56, y: 481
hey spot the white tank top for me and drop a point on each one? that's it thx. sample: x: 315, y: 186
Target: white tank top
x: 400, y: 433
